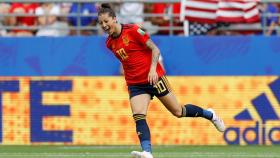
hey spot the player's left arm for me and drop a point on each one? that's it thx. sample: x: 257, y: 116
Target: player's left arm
x: 153, y: 76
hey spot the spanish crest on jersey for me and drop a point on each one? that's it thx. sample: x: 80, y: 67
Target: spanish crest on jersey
x: 125, y: 40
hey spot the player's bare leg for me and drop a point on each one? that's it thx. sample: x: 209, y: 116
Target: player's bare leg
x: 171, y: 104
x: 139, y: 104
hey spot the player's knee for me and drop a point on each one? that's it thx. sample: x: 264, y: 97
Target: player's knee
x: 177, y: 113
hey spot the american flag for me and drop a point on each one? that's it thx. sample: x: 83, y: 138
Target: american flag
x: 212, y: 11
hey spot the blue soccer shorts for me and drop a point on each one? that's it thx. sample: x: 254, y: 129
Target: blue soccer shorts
x: 161, y: 89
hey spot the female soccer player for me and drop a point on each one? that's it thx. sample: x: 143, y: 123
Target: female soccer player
x: 145, y: 77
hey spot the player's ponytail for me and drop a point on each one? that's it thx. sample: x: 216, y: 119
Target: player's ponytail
x: 106, y: 8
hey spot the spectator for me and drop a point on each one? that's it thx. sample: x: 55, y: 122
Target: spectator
x: 168, y: 11
x: 64, y: 10
x: 4, y: 9
x: 23, y: 8
x: 85, y: 20
x: 270, y: 21
x: 153, y: 29
x: 48, y: 21
x: 131, y: 13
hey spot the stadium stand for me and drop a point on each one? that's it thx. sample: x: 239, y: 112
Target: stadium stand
x: 161, y: 17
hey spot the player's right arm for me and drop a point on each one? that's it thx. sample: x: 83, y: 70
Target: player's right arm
x: 144, y: 38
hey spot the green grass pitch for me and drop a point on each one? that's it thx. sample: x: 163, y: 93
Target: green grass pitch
x: 46, y: 151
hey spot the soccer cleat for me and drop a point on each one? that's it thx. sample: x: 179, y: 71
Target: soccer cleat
x: 136, y: 154
x: 144, y: 154
x: 217, y: 121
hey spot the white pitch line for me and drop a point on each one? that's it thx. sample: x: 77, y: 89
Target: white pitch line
x: 83, y: 155
x: 158, y: 155
x: 96, y: 147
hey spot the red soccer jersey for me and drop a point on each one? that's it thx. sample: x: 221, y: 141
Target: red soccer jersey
x: 130, y: 48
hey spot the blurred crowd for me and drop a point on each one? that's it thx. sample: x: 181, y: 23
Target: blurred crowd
x: 67, y: 19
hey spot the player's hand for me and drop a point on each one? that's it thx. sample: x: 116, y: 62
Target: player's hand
x: 153, y: 77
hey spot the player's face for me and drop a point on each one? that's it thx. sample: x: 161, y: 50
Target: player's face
x: 107, y: 23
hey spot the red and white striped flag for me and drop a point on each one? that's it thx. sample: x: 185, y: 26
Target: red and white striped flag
x: 210, y: 11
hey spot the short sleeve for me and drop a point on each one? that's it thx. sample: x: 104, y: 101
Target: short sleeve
x: 140, y: 35
x: 108, y: 44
